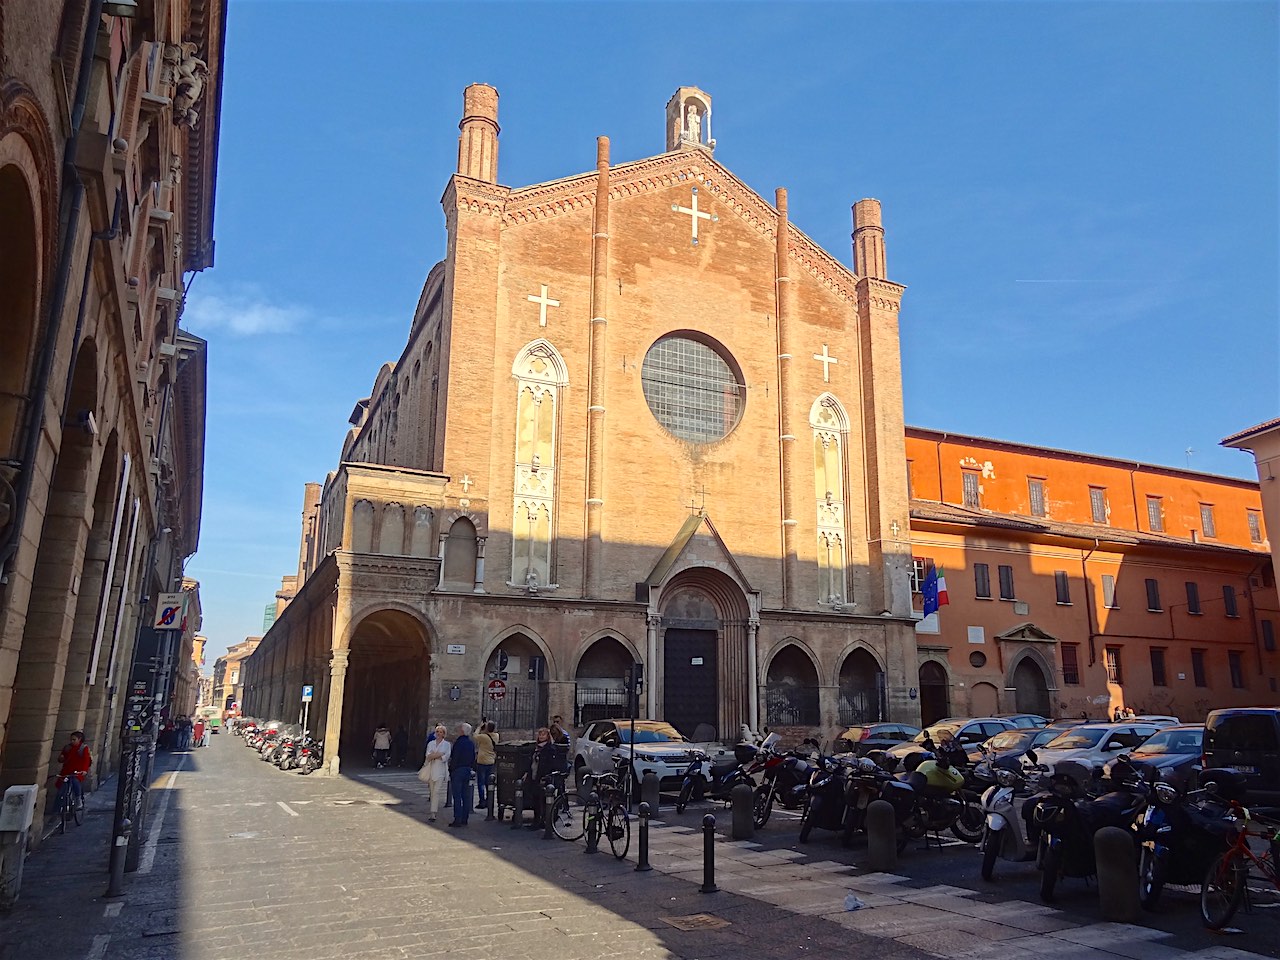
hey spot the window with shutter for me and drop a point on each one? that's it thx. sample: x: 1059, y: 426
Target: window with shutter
x: 1155, y: 514
x: 1098, y: 504
x: 1035, y: 492
x: 1193, y: 597
x: 1235, y: 663
x: 1070, y: 663
x: 1062, y: 585
x: 982, y: 581
x: 1153, y: 596
x: 1006, y: 582
x: 1109, y: 591
x: 1207, y: 526
x: 1229, y: 601
x: 1157, y: 667
x: 1198, y: 674
x: 972, y: 498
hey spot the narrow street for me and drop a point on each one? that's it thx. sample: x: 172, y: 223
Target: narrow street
x: 244, y: 861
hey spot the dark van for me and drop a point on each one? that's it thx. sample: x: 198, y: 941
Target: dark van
x: 1247, y: 739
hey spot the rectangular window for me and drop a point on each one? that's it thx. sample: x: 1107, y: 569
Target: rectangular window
x: 1235, y: 663
x: 1155, y: 514
x: 982, y: 581
x: 1035, y: 492
x: 1268, y: 636
x: 1255, y: 526
x: 1153, y: 596
x: 1197, y: 669
x: 972, y: 500
x: 1229, y: 601
x: 1006, y: 582
x: 919, y: 570
x: 1207, y: 526
x: 1098, y: 504
x: 1109, y: 591
x: 1062, y: 585
x: 1071, y: 663
x: 1115, y: 674
x: 1157, y: 667
x: 1193, y: 597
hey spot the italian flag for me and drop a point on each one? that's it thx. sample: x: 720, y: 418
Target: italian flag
x: 942, y: 588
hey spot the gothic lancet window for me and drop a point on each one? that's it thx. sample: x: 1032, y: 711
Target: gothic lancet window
x: 830, y: 428
x: 540, y: 376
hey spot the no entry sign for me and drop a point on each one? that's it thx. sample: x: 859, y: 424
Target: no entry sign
x: 497, y: 689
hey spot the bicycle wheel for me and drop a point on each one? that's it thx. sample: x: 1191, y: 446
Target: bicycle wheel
x: 1223, y: 890
x: 77, y: 809
x: 567, y: 819
x: 63, y: 803
x: 618, y: 827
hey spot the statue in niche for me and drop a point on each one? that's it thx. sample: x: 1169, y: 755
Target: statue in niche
x: 693, y: 124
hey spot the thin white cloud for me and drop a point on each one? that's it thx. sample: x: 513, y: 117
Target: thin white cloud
x: 243, y: 310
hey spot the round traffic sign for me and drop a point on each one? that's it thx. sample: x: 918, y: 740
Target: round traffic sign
x: 497, y: 689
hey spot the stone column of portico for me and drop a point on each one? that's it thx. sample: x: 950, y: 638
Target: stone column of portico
x: 786, y: 432
x: 591, y: 573
x: 479, y: 584
x: 652, y: 624
x: 828, y: 707
x: 333, y: 722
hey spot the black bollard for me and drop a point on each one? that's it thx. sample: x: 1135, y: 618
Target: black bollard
x: 493, y: 799
x: 649, y: 790
x: 548, y: 801
x: 708, y: 855
x: 642, y: 855
x: 743, y: 800
x: 517, y: 808
x: 593, y: 823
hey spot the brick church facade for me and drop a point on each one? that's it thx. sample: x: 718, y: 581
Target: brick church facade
x: 640, y: 418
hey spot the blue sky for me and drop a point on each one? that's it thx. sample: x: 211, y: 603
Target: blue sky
x: 1081, y: 199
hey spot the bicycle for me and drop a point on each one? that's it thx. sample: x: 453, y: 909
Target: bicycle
x: 567, y: 821
x: 605, y: 811
x: 69, y: 802
x: 1226, y: 884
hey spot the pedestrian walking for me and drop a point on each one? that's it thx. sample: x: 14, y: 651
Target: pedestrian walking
x: 381, y: 745
x: 486, y: 757
x: 435, y: 769
x: 462, y: 761
x: 400, y: 746
x: 184, y: 732
x: 197, y: 732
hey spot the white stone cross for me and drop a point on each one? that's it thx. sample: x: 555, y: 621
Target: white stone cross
x: 695, y: 214
x: 466, y: 482
x: 895, y: 528
x: 543, y: 301
x: 826, y: 361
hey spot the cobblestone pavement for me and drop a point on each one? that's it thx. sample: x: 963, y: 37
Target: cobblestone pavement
x: 244, y: 861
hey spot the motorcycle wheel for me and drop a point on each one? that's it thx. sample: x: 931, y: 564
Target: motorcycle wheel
x: 682, y: 801
x: 806, y: 823
x: 1051, y: 863
x: 1150, y: 883
x: 762, y: 807
x: 991, y: 841
x: 970, y: 824
x: 1222, y: 891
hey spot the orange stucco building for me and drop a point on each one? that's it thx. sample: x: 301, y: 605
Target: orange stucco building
x: 1080, y: 583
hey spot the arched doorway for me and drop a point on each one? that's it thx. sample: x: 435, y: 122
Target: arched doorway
x: 523, y: 707
x: 984, y: 700
x: 704, y: 654
x: 600, y: 689
x: 460, y: 555
x: 388, y: 681
x: 935, y: 693
x: 791, y: 689
x: 1031, y: 691
x: 862, y: 689
x: 19, y: 286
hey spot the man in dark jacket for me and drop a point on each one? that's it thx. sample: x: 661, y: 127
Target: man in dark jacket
x: 462, y: 761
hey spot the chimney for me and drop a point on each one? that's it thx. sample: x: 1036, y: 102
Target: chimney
x: 868, y: 240
x: 478, y: 143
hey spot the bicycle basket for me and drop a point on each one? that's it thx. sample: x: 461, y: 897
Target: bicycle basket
x: 615, y: 831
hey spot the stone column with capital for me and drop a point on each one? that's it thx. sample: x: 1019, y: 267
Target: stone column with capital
x: 652, y: 622
x: 753, y: 676
x: 479, y: 583
x: 333, y: 723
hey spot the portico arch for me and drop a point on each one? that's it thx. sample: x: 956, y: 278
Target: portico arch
x: 791, y: 687
x: 524, y: 657
x: 600, y: 688
x: 862, y: 688
x: 388, y: 679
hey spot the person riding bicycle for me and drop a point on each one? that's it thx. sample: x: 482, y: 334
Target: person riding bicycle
x: 76, y: 761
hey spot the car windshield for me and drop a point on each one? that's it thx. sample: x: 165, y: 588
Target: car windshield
x: 936, y: 731
x: 650, y: 733
x: 1077, y: 739
x: 1041, y: 737
x: 1011, y: 740
x: 1175, y: 741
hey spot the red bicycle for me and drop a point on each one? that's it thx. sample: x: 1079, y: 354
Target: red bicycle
x: 1226, y: 885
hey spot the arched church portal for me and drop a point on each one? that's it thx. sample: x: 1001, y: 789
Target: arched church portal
x: 600, y: 688
x: 1031, y: 690
x: 935, y: 692
x: 704, y: 654
x: 523, y: 706
x: 388, y: 681
x: 862, y: 689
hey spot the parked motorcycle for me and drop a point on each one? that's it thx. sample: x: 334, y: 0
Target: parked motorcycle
x: 1181, y: 834
x: 784, y: 779
x: 715, y: 781
x: 826, y: 807
x: 943, y: 802
x: 870, y: 779
x: 310, y: 756
x: 1064, y: 819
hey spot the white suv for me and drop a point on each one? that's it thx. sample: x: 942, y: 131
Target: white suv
x: 658, y: 747
x: 1093, y: 744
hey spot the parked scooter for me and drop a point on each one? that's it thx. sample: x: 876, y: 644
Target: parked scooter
x: 715, y: 781
x: 1181, y: 834
x: 1064, y: 819
x: 826, y: 807
x: 310, y: 755
x: 1004, y: 835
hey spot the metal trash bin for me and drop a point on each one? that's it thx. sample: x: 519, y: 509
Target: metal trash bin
x: 513, y: 761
